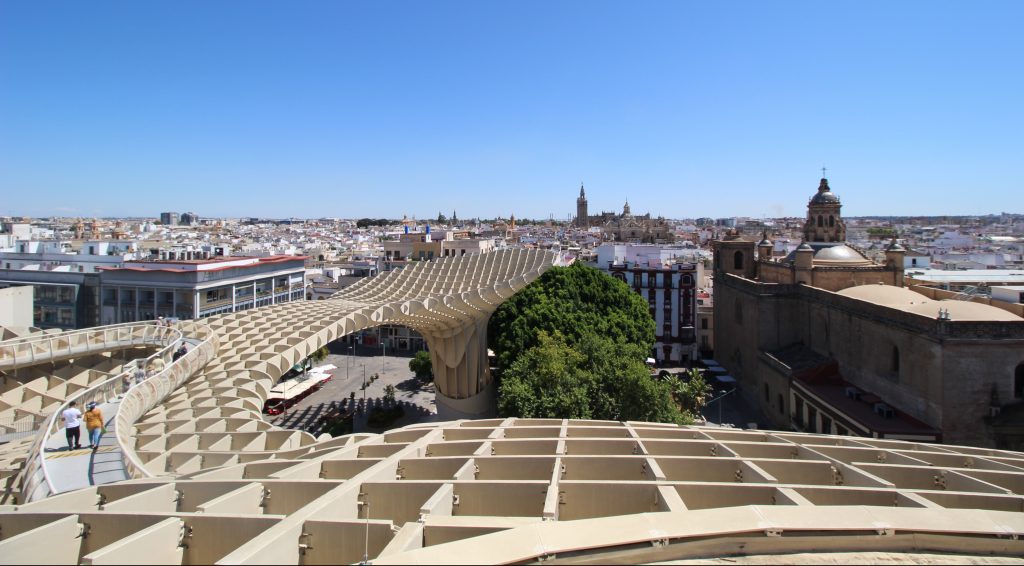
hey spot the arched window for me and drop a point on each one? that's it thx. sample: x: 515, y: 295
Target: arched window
x: 831, y: 221
x: 895, y: 366
x: 1018, y: 382
x: 821, y: 221
x: 737, y: 260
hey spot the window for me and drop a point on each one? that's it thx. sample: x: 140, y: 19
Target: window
x: 1018, y: 381
x: 831, y: 221
x: 767, y: 393
x: 821, y: 222
x: 812, y: 419
x: 826, y: 425
x: 703, y: 324
x: 896, y: 362
x: 737, y: 260
x: 782, y: 404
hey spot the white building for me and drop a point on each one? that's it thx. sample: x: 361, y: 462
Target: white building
x: 56, y: 255
x: 667, y: 278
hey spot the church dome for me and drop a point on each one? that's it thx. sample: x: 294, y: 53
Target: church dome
x: 832, y: 255
x: 824, y: 194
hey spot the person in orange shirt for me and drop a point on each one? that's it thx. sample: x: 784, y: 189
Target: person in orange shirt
x: 94, y: 424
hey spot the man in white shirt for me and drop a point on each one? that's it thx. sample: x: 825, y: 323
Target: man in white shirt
x: 72, y: 423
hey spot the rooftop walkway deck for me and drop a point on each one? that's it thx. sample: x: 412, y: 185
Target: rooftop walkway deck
x: 75, y: 469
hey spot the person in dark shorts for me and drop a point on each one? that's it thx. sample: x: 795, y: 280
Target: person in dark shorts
x: 73, y: 426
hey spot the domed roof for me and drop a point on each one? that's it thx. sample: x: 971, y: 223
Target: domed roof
x: 824, y: 194
x: 832, y: 255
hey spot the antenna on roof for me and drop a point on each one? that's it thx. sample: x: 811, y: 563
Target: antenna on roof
x: 823, y: 171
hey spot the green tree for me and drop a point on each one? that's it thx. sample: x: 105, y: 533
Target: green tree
x: 692, y: 393
x: 573, y: 301
x: 319, y: 355
x: 441, y: 218
x: 421, y: 365
x: 389, y: 395
x: 597, y: 379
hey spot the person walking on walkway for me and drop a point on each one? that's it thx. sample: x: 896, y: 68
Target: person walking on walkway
x: 72, y: 426
x: 156, y: 366
x: 94, y: 424
x: 140, y: 374
x: 179, y: 353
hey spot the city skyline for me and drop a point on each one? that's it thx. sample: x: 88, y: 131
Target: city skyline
x: 364, y: 110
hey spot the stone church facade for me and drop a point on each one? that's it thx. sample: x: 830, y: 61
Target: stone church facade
x: 827, y: 341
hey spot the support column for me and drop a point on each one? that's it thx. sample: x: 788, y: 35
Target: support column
x: 462, y: 376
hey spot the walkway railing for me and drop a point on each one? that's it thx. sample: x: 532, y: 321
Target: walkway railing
x: 36, y: 349
x: 141, y: 398
x: 36, y: 482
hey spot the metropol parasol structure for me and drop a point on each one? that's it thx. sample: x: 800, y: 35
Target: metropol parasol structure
x: 206, y: 480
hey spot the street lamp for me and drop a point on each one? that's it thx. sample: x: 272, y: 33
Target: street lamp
x: 364, y: 385
x: 348, y: 362
x: 383, y: 353
x: 719, y: 400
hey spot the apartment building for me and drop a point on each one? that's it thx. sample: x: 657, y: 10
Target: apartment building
x: 661, y: 276
x: 426, y: 245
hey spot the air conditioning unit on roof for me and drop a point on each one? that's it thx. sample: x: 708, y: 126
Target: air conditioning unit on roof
x: 852, y: 392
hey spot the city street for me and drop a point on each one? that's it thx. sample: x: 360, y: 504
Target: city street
x: 416, y: 397
x: 735, y: 410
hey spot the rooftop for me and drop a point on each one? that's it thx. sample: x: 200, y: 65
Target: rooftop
x: 909, y: 301
x: 1015, y: 276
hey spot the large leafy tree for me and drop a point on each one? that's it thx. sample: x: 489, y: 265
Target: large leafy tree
x: 599, y: 379
x: 572, y: 345
x: 573, y: 301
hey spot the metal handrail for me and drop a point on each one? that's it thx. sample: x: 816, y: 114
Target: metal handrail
x: 35, y: 460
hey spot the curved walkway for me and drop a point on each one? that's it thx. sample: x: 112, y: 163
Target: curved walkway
x: 215, y: 418
x: 75, y: 469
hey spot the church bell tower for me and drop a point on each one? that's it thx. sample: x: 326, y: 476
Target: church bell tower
x: 582, y: 220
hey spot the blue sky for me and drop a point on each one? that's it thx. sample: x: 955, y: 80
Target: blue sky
x: 351, y: 109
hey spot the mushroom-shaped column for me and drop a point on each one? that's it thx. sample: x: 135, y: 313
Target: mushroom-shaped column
x: 462, y: 375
